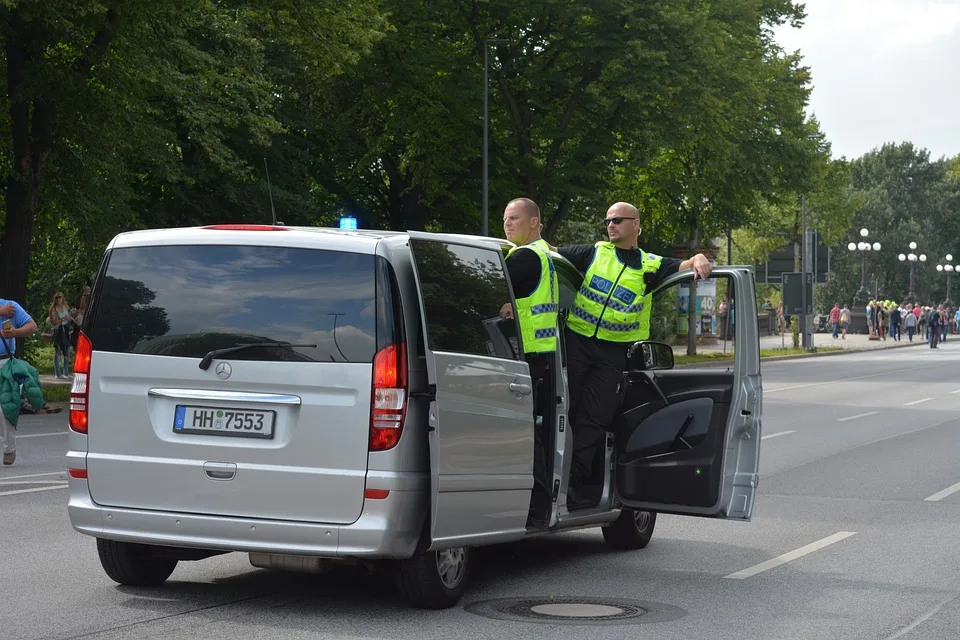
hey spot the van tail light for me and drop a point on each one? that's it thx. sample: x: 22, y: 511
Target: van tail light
x: 80, y: 391
x: 389, y: 403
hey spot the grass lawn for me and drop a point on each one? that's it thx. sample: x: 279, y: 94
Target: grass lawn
x: 56, y: 393
x: 716, y: 356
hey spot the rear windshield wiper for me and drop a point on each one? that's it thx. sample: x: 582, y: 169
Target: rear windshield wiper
x: 207, y: 359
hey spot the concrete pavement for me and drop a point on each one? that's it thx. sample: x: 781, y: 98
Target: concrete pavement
x: 853, y: 342
x: 853, y: 538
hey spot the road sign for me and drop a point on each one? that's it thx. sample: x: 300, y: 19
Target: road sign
x: 785, y: 261
x: 793, y: 295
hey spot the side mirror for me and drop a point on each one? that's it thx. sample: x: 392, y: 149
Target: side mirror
x: 648, y: 355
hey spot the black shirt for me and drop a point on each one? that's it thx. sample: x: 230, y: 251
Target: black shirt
x: 581, y: 255
x: 523, y: 267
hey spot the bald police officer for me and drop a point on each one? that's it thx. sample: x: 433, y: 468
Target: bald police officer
x: 535, y: 288
x: 610, y: 312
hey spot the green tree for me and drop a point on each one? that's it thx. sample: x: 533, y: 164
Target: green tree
x: 578, y: 90
x: 743, y: 140
x: 116, y: 106
x: 903, y: 197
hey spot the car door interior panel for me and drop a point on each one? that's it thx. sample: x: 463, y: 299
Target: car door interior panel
x: 670, y: 434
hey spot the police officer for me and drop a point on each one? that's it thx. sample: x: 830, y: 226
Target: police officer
x: 535, y: 287
x: 610, y: 312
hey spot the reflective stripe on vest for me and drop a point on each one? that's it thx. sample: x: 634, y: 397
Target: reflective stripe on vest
x: 612, y: 304
x: 537, y: 313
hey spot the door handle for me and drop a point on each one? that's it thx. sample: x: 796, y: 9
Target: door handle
x: 520, y: 388
x: 220, y: 470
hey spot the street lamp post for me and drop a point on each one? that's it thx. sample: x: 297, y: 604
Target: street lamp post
x: 863, y: 295
x: 486, y: 133
x: 912, y: 258
x: 949, y: 269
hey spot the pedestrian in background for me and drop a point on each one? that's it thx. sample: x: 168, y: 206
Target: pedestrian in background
x: 79, y: 313
x: 16, y: 323
x: 62, y: 322
x: 933, y: 327
x: 910, y: 319
x: 895, y: 321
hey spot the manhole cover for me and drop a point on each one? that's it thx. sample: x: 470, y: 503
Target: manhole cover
x: 581, y: 611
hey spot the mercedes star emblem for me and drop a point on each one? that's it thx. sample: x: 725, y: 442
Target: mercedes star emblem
x: 224, y: 370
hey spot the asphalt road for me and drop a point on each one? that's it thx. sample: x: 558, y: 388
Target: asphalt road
x: 859, y: 456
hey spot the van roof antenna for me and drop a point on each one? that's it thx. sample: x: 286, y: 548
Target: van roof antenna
x: 273, y: 211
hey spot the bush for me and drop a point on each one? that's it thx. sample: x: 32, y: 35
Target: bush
x: 38, y: 353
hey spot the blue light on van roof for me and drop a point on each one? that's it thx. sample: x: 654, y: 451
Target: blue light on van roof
x: 348, y: 222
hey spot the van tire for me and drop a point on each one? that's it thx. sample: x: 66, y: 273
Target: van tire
x: 419, y: 580
x: 631, y: 530
x: 132, y: 564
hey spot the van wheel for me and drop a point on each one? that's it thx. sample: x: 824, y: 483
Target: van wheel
x: 632, y: 530
x: 434, y: 579
x: 133, y: 564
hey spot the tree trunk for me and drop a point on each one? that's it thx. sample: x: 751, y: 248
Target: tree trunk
x: 692, y: 301
x: 22, y: 199
x: 31, y: 127
x: 692, y: 320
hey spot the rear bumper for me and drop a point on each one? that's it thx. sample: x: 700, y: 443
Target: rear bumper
x: 387, y: 528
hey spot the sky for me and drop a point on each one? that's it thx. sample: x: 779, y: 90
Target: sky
x: 883, y: 71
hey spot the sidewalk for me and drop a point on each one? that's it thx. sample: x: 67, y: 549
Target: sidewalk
x: 50, y: 380
x: 854, y: 342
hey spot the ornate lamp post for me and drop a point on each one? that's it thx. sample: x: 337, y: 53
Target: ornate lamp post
x: 862, y: 296
x: 949, y: 269
x: 912, y: 258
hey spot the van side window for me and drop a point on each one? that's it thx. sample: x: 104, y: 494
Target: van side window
x: 463, y: 289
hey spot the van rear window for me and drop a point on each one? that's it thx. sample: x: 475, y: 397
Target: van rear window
x: 186, y: 300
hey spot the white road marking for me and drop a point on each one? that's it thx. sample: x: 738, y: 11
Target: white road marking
x: 33, y: 475
x: 4, y: 483
x: 920, y: 401
x: 955, y: 392
x: 43, y: 435
x: 940, y: 495
x: 859, y: 415
x: 792, y: 555
x: 847, y: 379
x: 777, y: 435
x: 11, y: 493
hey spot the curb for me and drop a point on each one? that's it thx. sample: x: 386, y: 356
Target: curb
x: 801, y: 356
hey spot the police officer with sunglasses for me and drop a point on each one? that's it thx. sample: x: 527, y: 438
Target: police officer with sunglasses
x: 610, y: 312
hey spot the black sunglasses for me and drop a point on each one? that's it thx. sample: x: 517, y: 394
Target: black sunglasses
x: 616, y: 220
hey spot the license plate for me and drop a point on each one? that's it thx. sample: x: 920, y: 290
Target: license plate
x: 213, y: 421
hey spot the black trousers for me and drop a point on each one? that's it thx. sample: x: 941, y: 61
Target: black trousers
x: 594, y: 373
x: 542, y: 370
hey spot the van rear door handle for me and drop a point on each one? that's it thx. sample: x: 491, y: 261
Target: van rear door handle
x: 520, y: 388
x: 220, y: 470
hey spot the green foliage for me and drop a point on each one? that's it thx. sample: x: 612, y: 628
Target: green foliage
x: 905, y: 197
x: 126, y: 115
x: 664, y: 315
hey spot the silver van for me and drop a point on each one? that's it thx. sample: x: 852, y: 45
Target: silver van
x: 318, y: 396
